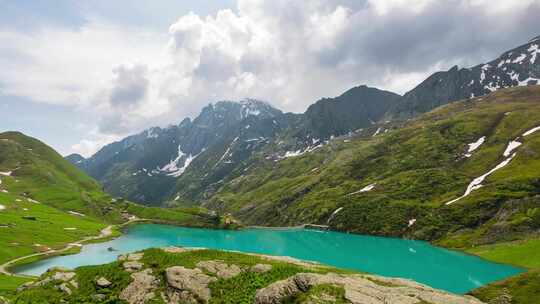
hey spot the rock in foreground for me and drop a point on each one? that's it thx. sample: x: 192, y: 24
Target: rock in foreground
x: 209, y: 276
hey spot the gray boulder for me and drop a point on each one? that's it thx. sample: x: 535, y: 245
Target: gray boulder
x: 64, y: 288
x: 184, y: 281
x: 140, y: 290
x: 130, y: 257
x: 132, y: 266
x: 220, y: 269
x: 261, y: 268
x: 99, y: 297
x: 103, y: 282
x: 63, y: 276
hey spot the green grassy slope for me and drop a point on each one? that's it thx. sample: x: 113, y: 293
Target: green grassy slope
x: 524, y: 288
x: 46, y: 203
x: 416, y: 168
x: 38, y: 195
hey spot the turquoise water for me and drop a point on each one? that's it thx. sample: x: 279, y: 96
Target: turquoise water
x: 437, y: 267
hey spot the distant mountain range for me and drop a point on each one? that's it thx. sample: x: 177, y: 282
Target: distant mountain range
x: 517, y: 67
x: 187, y: 163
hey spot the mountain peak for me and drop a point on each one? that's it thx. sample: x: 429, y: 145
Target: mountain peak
x: 75, y: 158
x: 519, y: 66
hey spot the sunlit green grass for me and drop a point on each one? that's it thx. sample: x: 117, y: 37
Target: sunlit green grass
x: 523, y: 288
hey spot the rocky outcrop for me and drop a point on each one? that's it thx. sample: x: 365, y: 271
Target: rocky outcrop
x: 131, y: 261
x: 64, y: 288
x: 174, y: 249
x: 56, y: 276
x: 261, y: 268
x: 103, y: 282
x: 130, y: 257
x: 132, y: 266
x: 360, y: 289
x: 141, y: 289
x: 99, y: 297
x: 62, y: 276
x: 187, y: 284
x: 220, y: 269
x: 180, y: 284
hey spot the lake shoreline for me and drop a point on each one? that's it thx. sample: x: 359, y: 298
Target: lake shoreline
x: 323, y: 257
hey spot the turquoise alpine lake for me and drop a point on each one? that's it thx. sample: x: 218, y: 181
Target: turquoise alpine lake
x: 437, y: 267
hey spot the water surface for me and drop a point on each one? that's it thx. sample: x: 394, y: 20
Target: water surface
x: 437, y: 267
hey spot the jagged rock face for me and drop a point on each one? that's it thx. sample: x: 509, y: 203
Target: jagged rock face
x: 191, y: 160
x: 357, y: 108
x: 517, y: 67
x: 145, y: 167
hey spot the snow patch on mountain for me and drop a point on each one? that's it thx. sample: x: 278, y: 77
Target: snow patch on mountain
x: 519, y: 59
x: 533, y: 50
x: 477, y: 182
x: 150, y: 133
x: 531, y: 131
x: 333, y: 214
x: 511, y: 147
x: 182, y: 169
x: 300, y: 151
x: 76, y: 213
x: 485, y: 67
x: 173, y: 168
x: 173, y: 165
x: 365, y: 189
x: 226, y: 152
x: 475, y: 145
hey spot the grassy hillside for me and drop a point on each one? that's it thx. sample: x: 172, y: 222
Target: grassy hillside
x: 47, y: 203
x: 415, y: 168
x: 38, y: 195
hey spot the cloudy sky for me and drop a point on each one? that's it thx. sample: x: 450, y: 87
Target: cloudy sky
x: 80, y: 74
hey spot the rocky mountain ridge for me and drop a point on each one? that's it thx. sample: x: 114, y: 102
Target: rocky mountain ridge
x: 187, y: 163
x: 517, y: 67
x: 148, y: 167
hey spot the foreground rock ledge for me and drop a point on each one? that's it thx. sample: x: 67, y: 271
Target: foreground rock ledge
x: 360, y: 289
x: 194, y: 284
